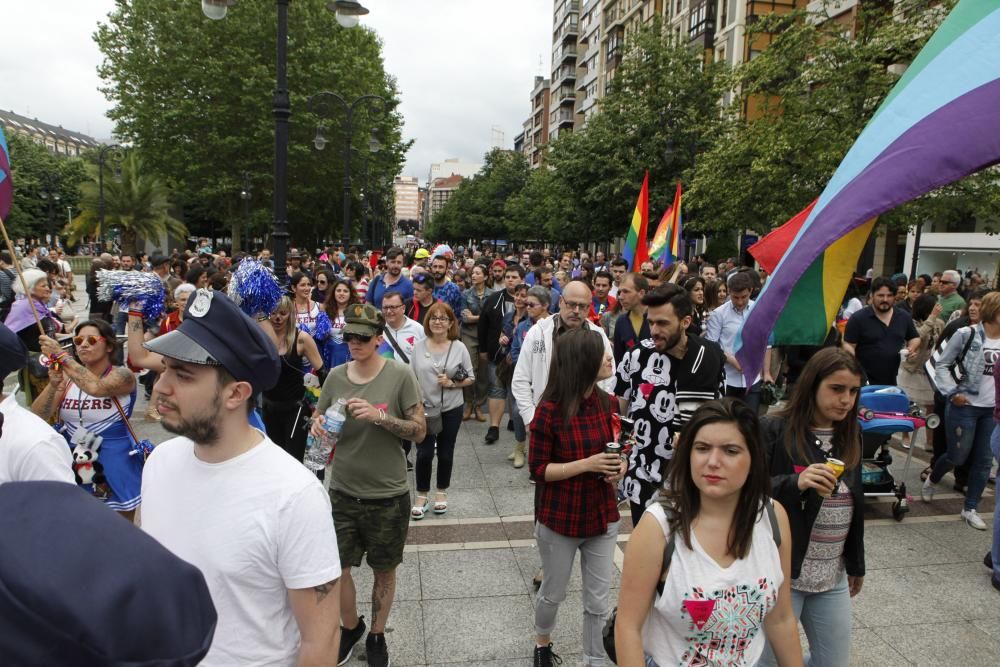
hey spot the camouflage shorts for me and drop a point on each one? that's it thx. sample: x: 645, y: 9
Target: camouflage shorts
x: 375, y: 527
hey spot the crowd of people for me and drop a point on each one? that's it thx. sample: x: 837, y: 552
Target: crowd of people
x: 742, y: 528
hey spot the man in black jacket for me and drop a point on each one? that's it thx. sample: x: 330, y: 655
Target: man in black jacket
x: 495, y: 308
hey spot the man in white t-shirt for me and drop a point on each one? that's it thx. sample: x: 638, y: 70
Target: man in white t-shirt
x: 404, y: 332
x: 30, y: 449
x: 227, y: 499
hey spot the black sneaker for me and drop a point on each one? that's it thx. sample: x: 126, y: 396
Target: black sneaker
x: 378, y: 652
x: 544, y: 657
x: 988, y: 560
x: 492, y: 435
x: 349, y: 639
x: 510, y: 425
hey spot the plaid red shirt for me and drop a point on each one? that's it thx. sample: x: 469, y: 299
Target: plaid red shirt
x: 581, y: 506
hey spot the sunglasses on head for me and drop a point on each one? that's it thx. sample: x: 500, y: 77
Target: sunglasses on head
x: 90, y: 340
x: 421, y: 278
x: 352, y: 337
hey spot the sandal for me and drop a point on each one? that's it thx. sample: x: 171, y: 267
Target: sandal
x: 441, y: 504
x: 418, y: 511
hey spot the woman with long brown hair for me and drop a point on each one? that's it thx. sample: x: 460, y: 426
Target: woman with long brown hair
x: 340, y: 295
x: 575, y: 508
x: 819, y: 426
x: 714, y: 549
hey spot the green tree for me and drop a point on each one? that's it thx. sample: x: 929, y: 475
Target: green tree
x: 802, y: 103
x: 35, y: 173
x: 138, y: 203
x: 195, y: 96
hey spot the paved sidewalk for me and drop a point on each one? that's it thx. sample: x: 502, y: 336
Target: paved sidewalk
x: 464, y: 592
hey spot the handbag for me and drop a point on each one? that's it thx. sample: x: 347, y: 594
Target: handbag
x: 139, y: 448
x: 432, y: 413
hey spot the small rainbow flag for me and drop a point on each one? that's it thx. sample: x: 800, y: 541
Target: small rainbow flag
x: 938, y: 125
x: 385, y: 350
x: 636, y: 250
x: 667, y: 242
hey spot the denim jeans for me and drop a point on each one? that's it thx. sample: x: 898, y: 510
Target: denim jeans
x: 826, y: 618
x: 968, y: 430
x: 558, y: 553
x: 995, y: 446
x: 520, y: 432
x: 494, y: 389
x: 444, y: 442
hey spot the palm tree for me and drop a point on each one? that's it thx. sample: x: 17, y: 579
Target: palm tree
x: 137, y: 202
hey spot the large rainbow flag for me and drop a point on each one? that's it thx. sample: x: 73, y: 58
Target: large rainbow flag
x: 6, y: 185
x: 940, y: 123
x: 636, y: 250
x: 667, y: 241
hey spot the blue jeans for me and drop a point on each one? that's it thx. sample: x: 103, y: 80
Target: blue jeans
x: 968, y: 430
x: 826, y: 618
x: 520, y: 432
x: 995, y: 446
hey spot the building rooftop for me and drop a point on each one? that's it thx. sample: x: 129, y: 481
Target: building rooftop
x: 35, y: 126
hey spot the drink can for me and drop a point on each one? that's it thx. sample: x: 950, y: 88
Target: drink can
x: 837, y: 466
x: 613, y: 448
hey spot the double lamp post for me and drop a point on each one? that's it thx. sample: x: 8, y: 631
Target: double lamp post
x: 348, y: 13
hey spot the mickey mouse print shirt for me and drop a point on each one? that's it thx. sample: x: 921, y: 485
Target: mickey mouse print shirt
x: 662, y: 393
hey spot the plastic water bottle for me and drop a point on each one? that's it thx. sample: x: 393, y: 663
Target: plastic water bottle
x: 319, y: 450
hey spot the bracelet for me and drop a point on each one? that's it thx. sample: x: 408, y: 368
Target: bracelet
x: 261, y: 318
x: 134, y: 313
x: 381, y: 416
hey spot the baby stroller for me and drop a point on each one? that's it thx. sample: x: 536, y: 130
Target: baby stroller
x: 885, y: 411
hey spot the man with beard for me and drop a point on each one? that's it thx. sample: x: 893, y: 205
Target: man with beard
x: 876, y: 333
x: 393, y: 279
x: 225, y: 498
x: 497, y: 269
x: 660, y: 383
x: 446, y: 291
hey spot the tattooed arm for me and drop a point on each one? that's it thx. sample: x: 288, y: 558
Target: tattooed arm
x: 317, y: 612
x: 412, y: 427
x: 118, y: 382
x: 139, y: 356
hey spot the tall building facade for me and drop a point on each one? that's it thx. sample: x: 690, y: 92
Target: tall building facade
x: 407, y: 194
x: 439, y: 191
x: 562, y: 92
x: 535, y: 129
x: 452, y: 166
x: 55, y: 138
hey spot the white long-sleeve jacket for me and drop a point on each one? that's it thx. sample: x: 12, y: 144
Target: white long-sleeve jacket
x: 532, y: 369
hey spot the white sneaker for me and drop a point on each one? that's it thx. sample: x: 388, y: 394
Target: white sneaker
x: 973, y: 519
x: 927, y: 490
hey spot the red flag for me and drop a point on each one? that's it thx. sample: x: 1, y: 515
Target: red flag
x: 770, y: 249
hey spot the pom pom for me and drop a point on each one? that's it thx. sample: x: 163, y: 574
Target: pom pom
x: 323, y: 327
x: 132, y: 290
x: 254, y: 288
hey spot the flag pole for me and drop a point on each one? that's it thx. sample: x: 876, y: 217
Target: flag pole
x: 24, y: 283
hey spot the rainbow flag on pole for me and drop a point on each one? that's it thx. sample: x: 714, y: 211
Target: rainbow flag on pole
x: 636, y: 250
x: 939, y: 124
x: 668, y: 241
x: 6, y: 185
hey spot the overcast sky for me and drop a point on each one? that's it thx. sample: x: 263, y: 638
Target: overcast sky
x: 464, y: 67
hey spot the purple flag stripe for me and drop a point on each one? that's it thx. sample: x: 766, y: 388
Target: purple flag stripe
x: 958, y: 139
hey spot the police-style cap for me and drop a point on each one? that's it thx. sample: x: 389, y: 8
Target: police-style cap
x: 215, y: 332
x: 80, y: 586
x: 13, y: 353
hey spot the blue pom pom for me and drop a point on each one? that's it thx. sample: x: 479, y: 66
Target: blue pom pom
x: 323, y: 327
x: 131, y: 288
x: 254, y: 288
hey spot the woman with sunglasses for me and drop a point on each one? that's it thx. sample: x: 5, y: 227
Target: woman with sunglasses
x: 91, y: 394
x: 443, y: 367
x: 576, y: 508
x: 342, y: 295
x: 726, y: 585
x: 310, y: 316
x: 323, y: 279
x: 475, y: 395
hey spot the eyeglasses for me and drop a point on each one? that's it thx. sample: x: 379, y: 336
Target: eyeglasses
x: 574, y: 305
x: 441, y: 319
x: 352, y: 338
x: 320, y: 283
x: 385, y: 307
x: 90, y: 340
x: 533, y: 305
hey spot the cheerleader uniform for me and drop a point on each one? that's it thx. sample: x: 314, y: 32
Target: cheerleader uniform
x: 100, y: 416
x: 316, y: 323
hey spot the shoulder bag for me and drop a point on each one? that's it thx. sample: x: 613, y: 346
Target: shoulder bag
x: 432, y: 413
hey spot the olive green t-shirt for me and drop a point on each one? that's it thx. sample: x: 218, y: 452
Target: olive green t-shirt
x: 369, y: 461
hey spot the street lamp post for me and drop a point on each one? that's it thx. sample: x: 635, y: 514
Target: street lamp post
x: 245, y: 197
x: 379, y: 105
x: 347, y: 13
x: 101, y: 156
x: 52, y: 197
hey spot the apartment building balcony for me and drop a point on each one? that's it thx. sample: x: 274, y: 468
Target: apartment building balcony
x: 701, y: 24
x: 561, y: 118
x: 564, y: 53
x: 564, y: 95
x: 569, y: 30
x: 565, y: 74
x: 568, y: 9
